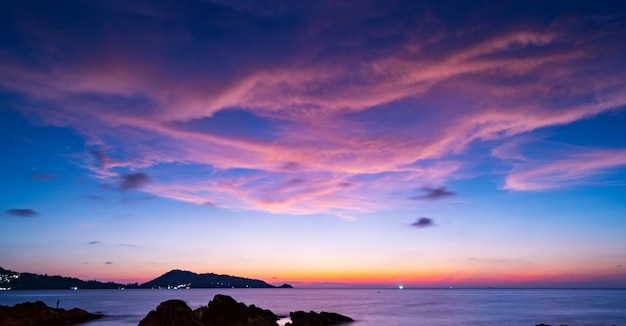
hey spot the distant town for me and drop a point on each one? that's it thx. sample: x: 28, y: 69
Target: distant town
x: 6, y: 279
x: 172, y: 280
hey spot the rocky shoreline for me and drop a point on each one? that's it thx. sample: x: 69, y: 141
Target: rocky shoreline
x: 223, y: 310
x: 38, y: 313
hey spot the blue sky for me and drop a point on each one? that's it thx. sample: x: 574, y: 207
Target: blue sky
x: 376, y: 142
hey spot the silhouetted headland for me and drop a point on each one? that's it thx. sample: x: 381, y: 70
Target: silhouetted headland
x: 181, y: 279
x: 174, y: 279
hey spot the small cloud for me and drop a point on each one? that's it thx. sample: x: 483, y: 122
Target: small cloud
x: 22, y: 212
x: 433, y: 193
x: 423, y: 222
x: 618, y: 266
x: 133, y: 181
x: 43, y: 177
x: 346, y: 184
x: 94, y: 242
x: 108, y: 263
x: 209, y: 203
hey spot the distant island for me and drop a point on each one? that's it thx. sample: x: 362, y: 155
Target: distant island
x: 182, y: 279
x: 175, y: 279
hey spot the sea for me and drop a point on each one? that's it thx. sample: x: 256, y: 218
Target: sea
x: 368, y: 307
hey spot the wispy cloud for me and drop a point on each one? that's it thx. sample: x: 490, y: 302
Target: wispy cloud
x: 22, y: 212
x: 93, y: 242
x: 571, y: 169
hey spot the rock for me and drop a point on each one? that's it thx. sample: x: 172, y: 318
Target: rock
x: 223, y: 310
x: 38, y: 313
x: 170, y: 313
x: 301, y: 318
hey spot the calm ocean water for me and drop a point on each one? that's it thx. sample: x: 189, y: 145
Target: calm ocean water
x: 369, y: 307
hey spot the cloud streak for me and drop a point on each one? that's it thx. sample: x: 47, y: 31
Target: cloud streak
x: 568, y: 171
x: 434, y: 194
x: 22, y: 212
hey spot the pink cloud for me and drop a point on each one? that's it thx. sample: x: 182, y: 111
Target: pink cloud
x: 564, y: 172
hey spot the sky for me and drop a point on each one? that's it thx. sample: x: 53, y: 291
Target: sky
x: 317, y: 143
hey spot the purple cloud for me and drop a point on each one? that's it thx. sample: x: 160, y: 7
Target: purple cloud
x: 133, y: 181
x: 433, y: 194
x: 423, y: 222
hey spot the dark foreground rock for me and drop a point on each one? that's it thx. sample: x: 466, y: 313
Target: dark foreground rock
x: 223, y: 310
x: 301, y: 318
x: 38, y: 313
x: 170, y: 312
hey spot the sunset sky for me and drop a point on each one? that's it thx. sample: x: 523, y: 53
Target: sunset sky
x: 318, y: 143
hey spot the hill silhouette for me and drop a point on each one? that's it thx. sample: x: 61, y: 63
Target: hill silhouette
x: 180, y: 278
x: 172, y: 279
x: 30, y: 281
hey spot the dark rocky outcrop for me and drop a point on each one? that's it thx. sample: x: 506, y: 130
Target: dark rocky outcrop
x: 170, y: 312
x: 223, y: 310
x: 38, y: 313
x: 301, y: 318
